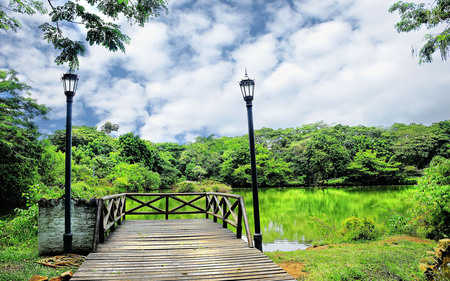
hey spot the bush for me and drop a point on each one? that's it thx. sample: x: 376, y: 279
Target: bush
x: 134, y: 178
x: 355, y: 229
x: 23, y: 228
x: 203, y: 186
x: 186, y: 186
x: 214, y: 186
x: 432, y: 200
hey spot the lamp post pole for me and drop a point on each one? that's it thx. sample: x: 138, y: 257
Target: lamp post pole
x: 70, y: 82
x: 247, y: 88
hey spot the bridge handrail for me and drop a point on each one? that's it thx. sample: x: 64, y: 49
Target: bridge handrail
x: 230, y: 208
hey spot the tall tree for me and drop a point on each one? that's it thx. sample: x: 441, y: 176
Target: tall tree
x: 434, y: 16
x: 20, y: 148
x: 109, y: 127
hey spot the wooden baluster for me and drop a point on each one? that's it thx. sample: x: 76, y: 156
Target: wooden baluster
x: 224, y: 210
x: 167, y: 207
x: 215, y: 208
x: 239, y: 220
x: 207, y: 206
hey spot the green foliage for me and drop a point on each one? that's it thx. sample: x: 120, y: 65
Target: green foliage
x: 21, y: 229
x: 432, y: 201
x: 20, y: 147
x: 357, y: 229
x: 186, y: 187
x: 136, y: 150
x: 81, y: 136
x: 369, y: 169
x: 134, y: 178
x: 415, y: 16
x: 98, y: 30
x: 109, y: 127
x: 203, y: 186
x: 28, y: 7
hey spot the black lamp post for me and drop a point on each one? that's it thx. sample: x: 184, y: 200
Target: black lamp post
x: 70, y: 83
x: 248, y: 90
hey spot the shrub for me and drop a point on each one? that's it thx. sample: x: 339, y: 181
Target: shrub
x: 432, y: 200
x: 215, y: 186
x: 355, y: 229
x: 203, y: 186
x: 23, y: 228
x: 186, y: 186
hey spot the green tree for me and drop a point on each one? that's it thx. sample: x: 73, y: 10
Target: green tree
x: 93, y: 18
x: 81, y: 135
x: 414, y: 144
x: 432, y: 200
x: 28, y: 7
x: 136, y: 150
x: 415, y: 16
x: 369, y: 169
x: 134, y: 178
x: 20, y: 148
x: 319, y: 157
x: 109, y: 127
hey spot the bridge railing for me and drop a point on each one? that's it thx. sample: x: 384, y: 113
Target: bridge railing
x: 229, y: 208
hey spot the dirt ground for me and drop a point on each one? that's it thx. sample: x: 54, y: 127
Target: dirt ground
x: 295, y: 269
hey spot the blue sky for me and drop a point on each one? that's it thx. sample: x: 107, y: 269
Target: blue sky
x: 340, y: 61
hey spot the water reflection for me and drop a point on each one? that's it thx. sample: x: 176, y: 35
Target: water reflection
x: 287, y: 215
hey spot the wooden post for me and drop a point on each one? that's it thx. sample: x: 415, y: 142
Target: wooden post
x: 101, y: 224
x: 239, y: 220
x: 119, y: 210
x: 167, y: 207
x: 97, y: 225
x: 214, y: 205
x: 224, y: 209
x: 113, y: 214
x: 124, y: 206
x: 207, y: 205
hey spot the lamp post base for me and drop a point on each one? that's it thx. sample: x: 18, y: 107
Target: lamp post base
x: 258, y: 241
x: 67, y: 242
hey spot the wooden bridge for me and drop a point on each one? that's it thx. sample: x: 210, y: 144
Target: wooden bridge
x: 175, y: 249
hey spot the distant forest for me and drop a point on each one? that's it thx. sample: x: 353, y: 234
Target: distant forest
x: 310, y: 155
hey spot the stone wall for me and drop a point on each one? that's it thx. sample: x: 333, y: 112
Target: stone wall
x: 51, y: 226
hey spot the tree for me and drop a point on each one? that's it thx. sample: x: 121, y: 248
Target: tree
x: 20, y: 148
x: 81, y: 135
x: 109, y: 127
x: 136, y: 150
x: 369, y: 169
x: 98, y: 30
x: 414, y: 144
x: 28, y: 7
x: 415, y: 16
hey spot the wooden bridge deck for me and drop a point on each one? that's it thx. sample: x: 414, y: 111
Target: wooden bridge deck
x: 193, y: 249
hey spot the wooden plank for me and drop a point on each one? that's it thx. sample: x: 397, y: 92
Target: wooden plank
x: 195, y: 249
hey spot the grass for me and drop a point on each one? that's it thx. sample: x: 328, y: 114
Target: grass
x: 18, y: 263
x: 393, y: 259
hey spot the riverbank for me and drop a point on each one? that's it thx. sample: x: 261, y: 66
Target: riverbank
x: 393, y: 258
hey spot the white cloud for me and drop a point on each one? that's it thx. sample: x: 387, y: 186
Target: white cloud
x: 340, y: 61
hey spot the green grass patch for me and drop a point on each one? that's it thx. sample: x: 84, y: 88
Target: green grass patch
x: 19, y: 263
x: 368, y: 261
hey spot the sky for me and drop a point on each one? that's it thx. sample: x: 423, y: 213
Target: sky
x: 337, y: 61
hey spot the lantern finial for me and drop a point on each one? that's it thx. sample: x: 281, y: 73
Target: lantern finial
x: 247, y: 87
